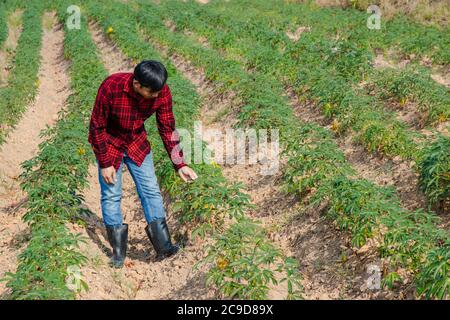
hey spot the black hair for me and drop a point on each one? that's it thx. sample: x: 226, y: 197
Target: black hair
x: 151, y: 74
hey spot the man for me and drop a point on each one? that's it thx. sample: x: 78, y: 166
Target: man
x: 117, y: 135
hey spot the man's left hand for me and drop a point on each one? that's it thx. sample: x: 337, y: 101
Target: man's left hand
x: 187, y: 174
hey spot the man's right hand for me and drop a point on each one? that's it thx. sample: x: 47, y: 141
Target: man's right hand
x: 109, y: 175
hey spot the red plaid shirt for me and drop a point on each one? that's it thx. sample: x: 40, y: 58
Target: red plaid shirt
x: 117, y: 123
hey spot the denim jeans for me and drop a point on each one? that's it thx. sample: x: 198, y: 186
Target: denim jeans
x: 147, y: 188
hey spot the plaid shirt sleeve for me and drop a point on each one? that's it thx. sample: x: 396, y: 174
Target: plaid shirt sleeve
x: 97, y: 127
x: 166, y: 126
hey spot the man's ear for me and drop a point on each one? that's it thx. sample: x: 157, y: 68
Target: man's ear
x: 137, y: 84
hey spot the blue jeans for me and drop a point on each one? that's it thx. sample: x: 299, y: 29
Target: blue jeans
x: 146, y: 185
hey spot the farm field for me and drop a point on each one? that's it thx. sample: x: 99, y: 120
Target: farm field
x: 357, y: 208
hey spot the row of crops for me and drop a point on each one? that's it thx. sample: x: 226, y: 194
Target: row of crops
x: 400, y: 33
x: 252, y: 58
x: 408, y: 239
x: 55, y: 177
x: 327, y: 71
x: 3, y: 23
x: 22, y: 80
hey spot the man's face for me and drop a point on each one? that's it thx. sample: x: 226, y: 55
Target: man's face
x: 145, y: 92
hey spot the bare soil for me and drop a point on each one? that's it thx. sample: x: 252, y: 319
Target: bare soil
x: 7, y: 52
x: 295, y: 35
x: 440, y: 74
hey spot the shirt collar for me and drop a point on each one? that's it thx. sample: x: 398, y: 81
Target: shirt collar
x: 128, y: 87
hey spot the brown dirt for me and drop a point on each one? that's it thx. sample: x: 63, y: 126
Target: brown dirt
x: 428, y: 12
x: 440, y: 74
x: 384, y: 61
x: 142, y: 277
x: 22, y: 144
x: 409, y: 112
x: 170, y: 25
x: 8, y: 50
x: 295, y: 35
x: 442, y: 78
x: 200, y: 39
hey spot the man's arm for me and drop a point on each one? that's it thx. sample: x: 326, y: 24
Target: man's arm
x: 166, y: 127
x: 97, y: 127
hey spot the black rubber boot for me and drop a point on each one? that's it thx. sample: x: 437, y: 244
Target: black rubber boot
x: 158, y: 233
x: 118, y: 239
